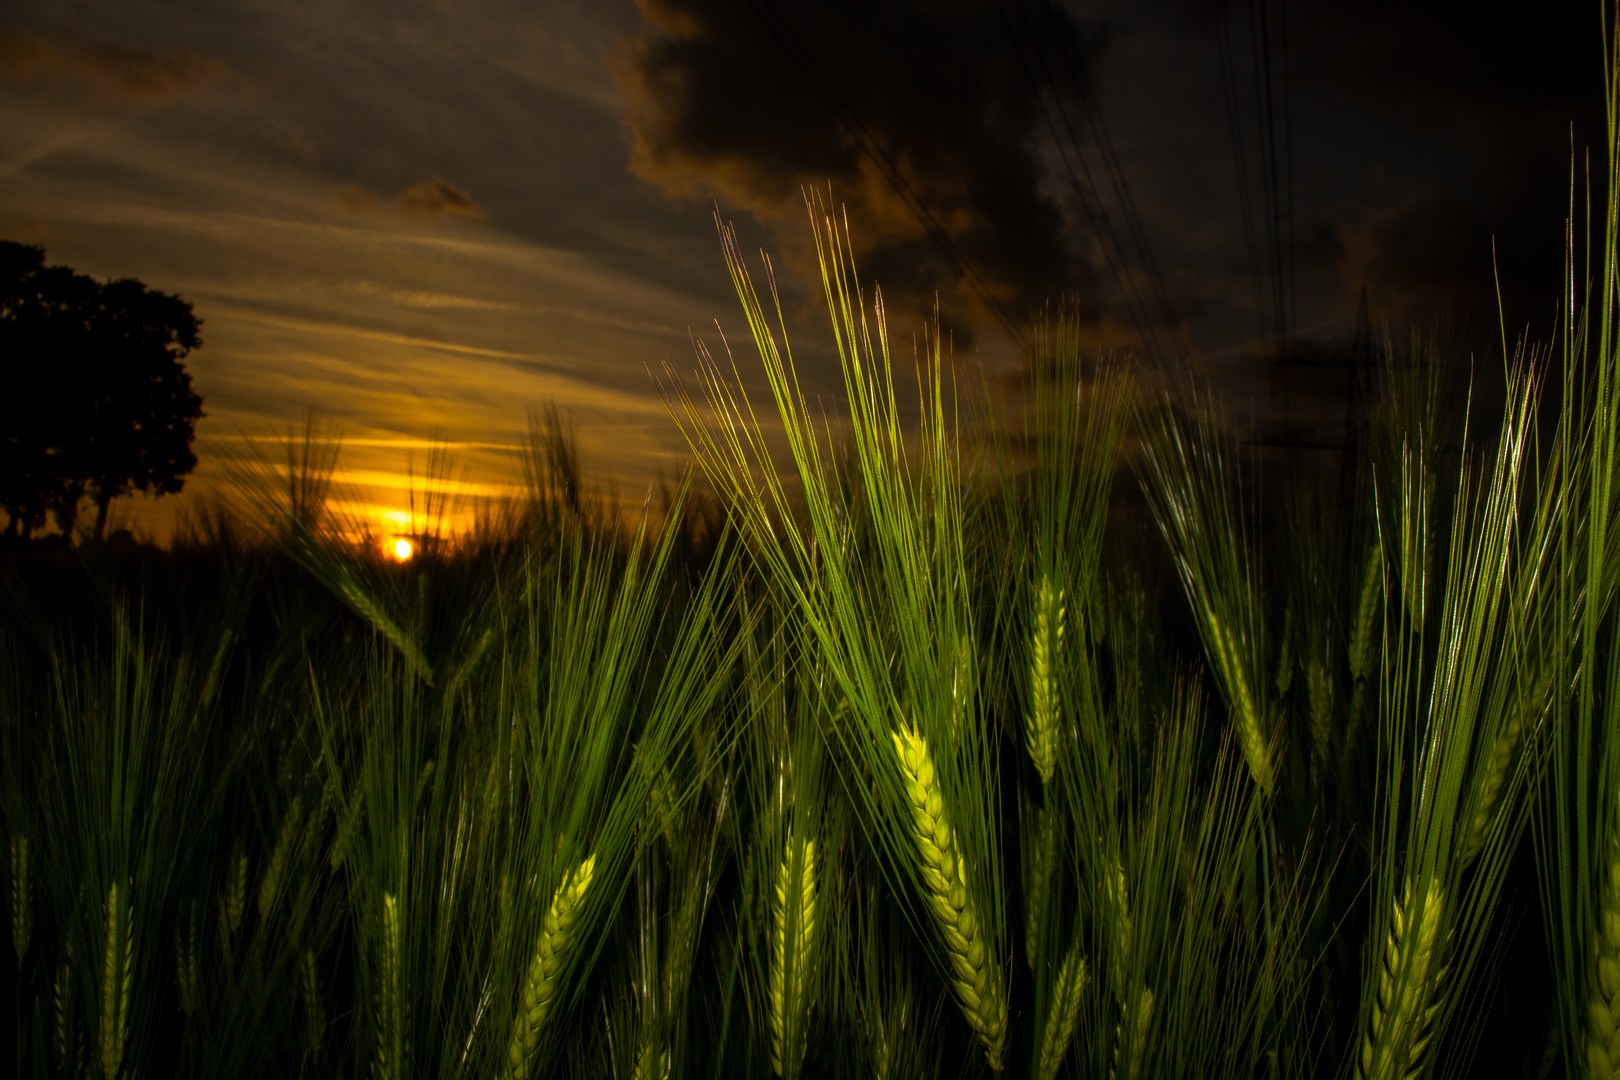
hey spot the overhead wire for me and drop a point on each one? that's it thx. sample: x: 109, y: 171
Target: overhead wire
x: 1085, y: 187
x: 1063, y: 33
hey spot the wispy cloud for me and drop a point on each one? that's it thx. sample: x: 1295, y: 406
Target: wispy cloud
x: 110, y: 72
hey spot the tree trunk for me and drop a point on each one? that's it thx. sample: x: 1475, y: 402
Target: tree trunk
x: 102, y: 503
x: 66, y: 511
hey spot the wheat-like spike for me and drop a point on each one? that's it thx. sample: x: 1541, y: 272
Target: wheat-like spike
x: 314, y: 1009
x: 1603, y: 1009
x: 1245, y: 709
x: 1319, y: 692
x: 962, y: 685
x: 1403, y: 1010
x: 1122, y: 932
x: 1144, y: 1020
x: 233, y: 905
x: 1067, y: 994
x: 187, y: 972
x: 1036, y: 851
x: 63, y: 999
x: 1367, y: 610
x: 22, y: 898
x: 545, y: 970
x: 371, y: 611
x: 1285, y: 653
x: 1045, y: 649
x: 391, y: 1047
x: 652, y: 1063
x: 270, y: 887
x: 1504, y: 751
x: 793, y: 938
x: 347, y: 827
x: 974, y: 974
x: 117, y: 975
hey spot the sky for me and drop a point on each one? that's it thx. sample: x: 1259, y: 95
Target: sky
x: 423, y: 221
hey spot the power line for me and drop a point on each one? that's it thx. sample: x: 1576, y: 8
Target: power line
x: 1084, y: 184
x: 1147, y: 312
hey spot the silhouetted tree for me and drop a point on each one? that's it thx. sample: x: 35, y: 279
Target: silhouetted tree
x: 96, y: 403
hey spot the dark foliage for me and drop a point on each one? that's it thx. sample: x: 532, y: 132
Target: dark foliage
x: 97, y: 402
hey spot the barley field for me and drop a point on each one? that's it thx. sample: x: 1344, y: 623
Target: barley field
x: 1056, y: 741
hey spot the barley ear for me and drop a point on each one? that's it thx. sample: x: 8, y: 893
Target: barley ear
x: 1487, y: 795
x: 1037, y: 863
x: 1404, y: 1007
x: 314, y: 1010
x: 276, y: 868
x: 1121, y: 932
x: 389, y: 1063
x: 22, y: 898
x: 974, y: 975
x: 545, y: 970
x: 117, y: 975
x: 187, y: 964
x: 1045, y: 650
x: 1241, y: 701
x: 1319, y: 693
x: 233, y: 905
x: 1067, y: 994
x: 1603, y: 1008
x: 792, y: 944
x: 1138, y: 1038
x: 63, y: 999
x: 1367, y: 612
x: 346, y: 830
x: 651, y: 1063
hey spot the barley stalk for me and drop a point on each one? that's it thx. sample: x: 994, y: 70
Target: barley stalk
x: 545, y: 970
x: 974, y: 974
x: 1045, y: 646
x: 1067, y: 993
x: 1404, y: 1008
x: 314, y: 1010
x: 792, y: 941
x: 391, y: 1047
x: 1603, y: 1008
x: 117, y: 975
x: 22, y: 898
x: 270, y: 887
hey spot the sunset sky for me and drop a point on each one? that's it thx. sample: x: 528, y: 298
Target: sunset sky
x: 426, y: 219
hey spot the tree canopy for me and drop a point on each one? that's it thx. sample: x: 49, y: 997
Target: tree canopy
x: 97, y: 401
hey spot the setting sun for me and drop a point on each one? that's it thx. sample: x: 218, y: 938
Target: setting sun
x: 402, y: 549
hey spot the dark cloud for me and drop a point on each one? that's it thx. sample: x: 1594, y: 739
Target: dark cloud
x: 436, y: 197
x: 112, y: 72
x: 430, y: 198
x: 721, y: 108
